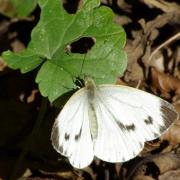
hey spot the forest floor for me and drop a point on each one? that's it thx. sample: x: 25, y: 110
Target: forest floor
x: 153, y: 49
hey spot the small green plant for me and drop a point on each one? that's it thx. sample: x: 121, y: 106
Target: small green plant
x: 55, y: 31
x: 17, y: 8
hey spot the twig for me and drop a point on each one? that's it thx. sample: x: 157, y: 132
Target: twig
x: 176, y: 36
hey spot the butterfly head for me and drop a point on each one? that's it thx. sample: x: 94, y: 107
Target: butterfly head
x: 89, y: 83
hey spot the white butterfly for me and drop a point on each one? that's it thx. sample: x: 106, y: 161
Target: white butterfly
x: 111, y: 122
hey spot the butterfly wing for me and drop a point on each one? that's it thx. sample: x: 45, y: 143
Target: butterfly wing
x: 127, y: 117
x: 71, y: 131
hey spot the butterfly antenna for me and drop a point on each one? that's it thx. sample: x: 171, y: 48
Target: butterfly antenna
x: 82, y: 65
x: 79, y: 81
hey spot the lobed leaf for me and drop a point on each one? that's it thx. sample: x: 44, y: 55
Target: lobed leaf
x: 55, y: 31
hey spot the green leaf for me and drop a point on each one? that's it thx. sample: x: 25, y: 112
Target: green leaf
x: 17, y: 8
x: 25, y: 60
x: 24, y: 7
x: 57, y: 29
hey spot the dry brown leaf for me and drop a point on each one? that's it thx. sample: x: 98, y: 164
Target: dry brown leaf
x: 134, y: 50
x: 27, y: 173
x: 154, y: 165
x: 150, y: 146
x: 32, y: 96
x: 159, y: 22
x: 142, y: 177
x: 68, y: 175
x: 173, y: 134
x: 158, y: 58
x: 122, y: 4
x: 17, y: 46
x: 171, y: 175
x: 123, y: 20
x: 7, y: 8
x: 118, y: 168
x: 120, y: 82
x: 167, y: 162
x: 140, y: 48
x: 151, y: 29
x: 177, y: 104
x: 177, y: 62
x: 164, y: 83
x: 163, y: 5
x: 157, y: 62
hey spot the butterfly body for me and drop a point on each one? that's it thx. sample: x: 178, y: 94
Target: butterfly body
x: 90, y: 87
x: 111, y: 122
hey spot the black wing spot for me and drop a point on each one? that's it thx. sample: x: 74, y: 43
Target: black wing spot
x: 77, y: 136
x: 130, y: 127
x: 162, y: 129
x: 121, y: 125
x: 149, y: 120
x: 168, y: 114
x: 66, y: 136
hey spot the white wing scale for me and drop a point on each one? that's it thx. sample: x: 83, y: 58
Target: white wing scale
x: 126, y: 118
x: 71, y: 133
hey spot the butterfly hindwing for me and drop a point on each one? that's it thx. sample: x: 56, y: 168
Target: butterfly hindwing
x: 127, y: 117
x: 71, y: 131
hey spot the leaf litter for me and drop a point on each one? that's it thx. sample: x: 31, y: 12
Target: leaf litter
x: 153, y: 65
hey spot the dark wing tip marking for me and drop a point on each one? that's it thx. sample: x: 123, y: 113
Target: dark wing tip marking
x: 169, y: 114
x: 55, y: 136
x: 149, y: 120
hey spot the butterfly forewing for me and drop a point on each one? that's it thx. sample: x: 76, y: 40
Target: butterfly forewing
x: 127, y: 117
x: 71, y: 132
